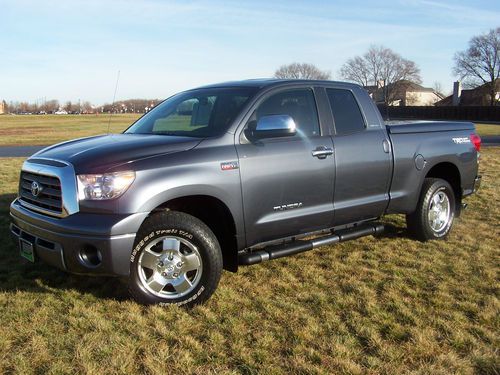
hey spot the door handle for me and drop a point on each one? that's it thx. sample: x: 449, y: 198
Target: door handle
x: 386, y: 146
x: 322, y: 152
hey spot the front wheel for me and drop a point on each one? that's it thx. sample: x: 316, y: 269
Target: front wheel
x: 435, y: 212
x: 176, y: 260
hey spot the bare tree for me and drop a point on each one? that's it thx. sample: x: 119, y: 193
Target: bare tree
x: 68, y: 106
x: 357, y: 70
x: 87, y: 107
x: 301, y: 71
x: 438, y: 88
x: 380, y: 66
x: 480, y: 63
x: 51, y: 106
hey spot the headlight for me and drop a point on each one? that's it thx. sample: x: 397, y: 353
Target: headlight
x: 104, y: 186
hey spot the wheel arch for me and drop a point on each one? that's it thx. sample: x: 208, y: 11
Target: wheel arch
x: 451, y: 174
x: 216, y: 215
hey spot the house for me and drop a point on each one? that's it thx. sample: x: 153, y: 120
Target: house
x: 479, y: 96
x: 3, y: 107
x: 404, y: 93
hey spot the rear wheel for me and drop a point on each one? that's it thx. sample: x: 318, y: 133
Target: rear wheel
x: 176, y: 260
x: 435, y: 211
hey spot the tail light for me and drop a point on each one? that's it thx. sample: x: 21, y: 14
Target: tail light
x: 476, y: 141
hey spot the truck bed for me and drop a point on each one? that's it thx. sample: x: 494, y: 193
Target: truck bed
x: 407, y: 127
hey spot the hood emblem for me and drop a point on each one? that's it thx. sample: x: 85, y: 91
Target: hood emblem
x: 36, y: 188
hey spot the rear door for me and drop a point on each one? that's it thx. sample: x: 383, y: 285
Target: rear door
x: 286, y: 189
x: 363, y: 160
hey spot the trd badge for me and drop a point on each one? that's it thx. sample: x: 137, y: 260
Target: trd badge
x: 229, y: 165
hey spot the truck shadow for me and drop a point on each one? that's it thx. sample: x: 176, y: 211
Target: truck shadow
x: 394, y: 231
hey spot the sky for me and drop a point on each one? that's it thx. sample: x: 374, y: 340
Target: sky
x: 73, y: 49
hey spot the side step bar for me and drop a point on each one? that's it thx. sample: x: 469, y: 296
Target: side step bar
x: 299, y: 246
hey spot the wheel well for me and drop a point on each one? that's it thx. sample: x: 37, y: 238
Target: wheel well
x: 215, y: 214
x: 450, y: 173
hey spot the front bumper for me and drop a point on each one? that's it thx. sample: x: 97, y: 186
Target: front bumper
x: 66, y: 242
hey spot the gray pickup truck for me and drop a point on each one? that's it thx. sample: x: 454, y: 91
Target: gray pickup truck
x: 235, y: 174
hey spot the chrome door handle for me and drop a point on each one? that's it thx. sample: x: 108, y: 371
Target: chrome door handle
x: 386, y: 146
x: 322, y: 152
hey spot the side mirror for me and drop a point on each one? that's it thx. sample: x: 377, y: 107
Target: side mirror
x: 274, y: 126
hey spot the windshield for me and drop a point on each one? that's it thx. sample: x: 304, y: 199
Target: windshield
x: 197, y: 113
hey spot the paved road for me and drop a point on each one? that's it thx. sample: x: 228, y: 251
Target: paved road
x: 15, y: 151
x: 23, y: 151
x: 491, y: 140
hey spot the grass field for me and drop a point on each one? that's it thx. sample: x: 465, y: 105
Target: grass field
x: 49, y: 129
x: 390, y: 305
x: 488, y: 129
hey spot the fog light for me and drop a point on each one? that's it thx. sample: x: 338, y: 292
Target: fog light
x: 90, y: 256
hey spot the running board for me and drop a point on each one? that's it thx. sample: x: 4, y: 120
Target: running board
x: 299, y: 246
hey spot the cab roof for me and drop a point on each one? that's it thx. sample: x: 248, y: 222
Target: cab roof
x: 268, y: 82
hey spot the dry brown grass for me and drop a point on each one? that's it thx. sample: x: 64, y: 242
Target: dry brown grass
x: 49, y: 129
x: 488, y: 129
x: 390, y: 305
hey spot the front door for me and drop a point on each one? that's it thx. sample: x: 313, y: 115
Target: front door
x: 286, y: 189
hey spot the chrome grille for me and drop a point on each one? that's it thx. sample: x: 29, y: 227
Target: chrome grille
x: 58, y: 195
x: 49, y: 197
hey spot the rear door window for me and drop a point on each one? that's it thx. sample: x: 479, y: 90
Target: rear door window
x: 346, y: 113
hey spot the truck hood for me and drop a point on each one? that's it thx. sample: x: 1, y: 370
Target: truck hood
x: 99, y: 154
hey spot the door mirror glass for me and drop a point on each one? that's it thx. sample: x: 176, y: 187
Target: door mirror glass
x: 272, y: 126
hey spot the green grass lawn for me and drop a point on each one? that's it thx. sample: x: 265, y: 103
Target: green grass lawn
x: 49, y: 129
x: 390, y: 305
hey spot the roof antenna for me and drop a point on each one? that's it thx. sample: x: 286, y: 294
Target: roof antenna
x: 114, y: 96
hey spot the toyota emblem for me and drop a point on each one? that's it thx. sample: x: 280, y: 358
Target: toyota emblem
x: 35, y: 188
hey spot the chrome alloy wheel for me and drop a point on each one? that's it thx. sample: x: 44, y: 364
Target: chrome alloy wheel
x: 439, y: 214
x: 170, y: 267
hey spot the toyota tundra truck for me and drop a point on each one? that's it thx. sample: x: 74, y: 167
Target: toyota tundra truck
x: 236, y: 174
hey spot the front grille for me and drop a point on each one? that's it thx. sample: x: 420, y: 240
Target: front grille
x: 49, y: 197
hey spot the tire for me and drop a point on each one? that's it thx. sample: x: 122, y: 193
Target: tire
x: 176, y: 260
x: 433, y: 218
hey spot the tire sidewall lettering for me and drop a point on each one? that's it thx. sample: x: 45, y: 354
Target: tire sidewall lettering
x: 186, y: 301
x: 158, y: 233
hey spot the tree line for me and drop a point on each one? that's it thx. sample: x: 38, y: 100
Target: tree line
x: 81, y: 107
x: 49, y: 106
x: 381, y: 67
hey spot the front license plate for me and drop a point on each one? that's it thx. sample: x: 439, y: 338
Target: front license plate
x: 26, y: 250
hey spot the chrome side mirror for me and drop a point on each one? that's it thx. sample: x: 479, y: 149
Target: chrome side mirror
x: 274, y: 126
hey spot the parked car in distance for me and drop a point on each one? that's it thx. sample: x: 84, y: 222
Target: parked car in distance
x: 61, y: 112
x: 236, y: 174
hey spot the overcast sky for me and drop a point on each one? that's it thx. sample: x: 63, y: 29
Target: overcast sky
x: 70, y: 50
